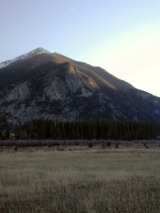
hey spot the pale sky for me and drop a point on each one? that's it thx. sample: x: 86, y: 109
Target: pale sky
x: 121, y: 36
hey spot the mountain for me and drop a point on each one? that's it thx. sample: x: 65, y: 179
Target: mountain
x: 52, y: 86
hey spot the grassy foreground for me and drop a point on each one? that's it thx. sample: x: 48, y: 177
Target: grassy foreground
x: 88, y: 181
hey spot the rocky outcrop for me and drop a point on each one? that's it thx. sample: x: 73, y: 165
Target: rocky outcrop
x: 18, y: 93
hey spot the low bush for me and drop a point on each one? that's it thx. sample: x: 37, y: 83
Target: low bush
x: 90, y: 145
x: 116, y: 145
x: 108, y: 143
x: 103, y: 146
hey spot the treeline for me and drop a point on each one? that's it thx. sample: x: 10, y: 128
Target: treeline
x: 118, y: 130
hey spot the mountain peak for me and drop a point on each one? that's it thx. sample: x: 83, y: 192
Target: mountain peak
x: 39, y: 50
x: 30, y: 54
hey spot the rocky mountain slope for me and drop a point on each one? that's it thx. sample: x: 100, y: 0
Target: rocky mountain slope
x: 41, y: 84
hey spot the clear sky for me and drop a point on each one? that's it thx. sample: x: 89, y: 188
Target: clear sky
x: 121, y: 36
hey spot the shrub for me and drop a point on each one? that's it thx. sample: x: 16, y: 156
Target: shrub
x: 108, y: 143
x: 116, y: 145
x: 16, y: 148
x: 60, y: 148
x: 90, y: 145
x: 145, y: 145
x: 103, y: 146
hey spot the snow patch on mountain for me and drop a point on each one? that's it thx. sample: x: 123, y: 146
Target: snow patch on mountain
x: 30, y: 54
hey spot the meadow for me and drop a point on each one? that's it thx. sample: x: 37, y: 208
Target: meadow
x: 80, y: 180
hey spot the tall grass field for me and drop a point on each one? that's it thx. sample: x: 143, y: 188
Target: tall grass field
x: 84, y: 181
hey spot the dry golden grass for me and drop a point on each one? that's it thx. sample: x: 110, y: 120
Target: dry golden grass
x: 88, y: 181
